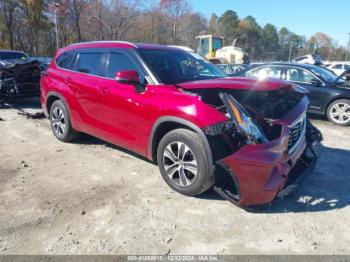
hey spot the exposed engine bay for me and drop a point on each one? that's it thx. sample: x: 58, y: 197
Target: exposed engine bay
x: 251, y: 116
x: 19, y: 79
x: 254, y: 125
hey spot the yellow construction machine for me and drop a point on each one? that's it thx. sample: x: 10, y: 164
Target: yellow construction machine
x: 212, y: 48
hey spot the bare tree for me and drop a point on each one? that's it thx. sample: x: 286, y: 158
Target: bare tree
x: 121, y: 16
x: 37, y: 21
x: 8, y: 10
x: 174, y: 12
x: 75, y: 10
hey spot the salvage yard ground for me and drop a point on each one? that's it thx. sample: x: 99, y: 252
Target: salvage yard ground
x: 90, y: 197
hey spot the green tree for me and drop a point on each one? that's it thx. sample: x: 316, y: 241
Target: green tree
x: 290, y: 44
x: 213, y: 24
x: 36, y: 19
x: 270, y: 41
x: 8, y: 9
x: 250, y: 36
x: 228, y: 25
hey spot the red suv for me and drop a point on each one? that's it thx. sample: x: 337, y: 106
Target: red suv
x: 249, y: 139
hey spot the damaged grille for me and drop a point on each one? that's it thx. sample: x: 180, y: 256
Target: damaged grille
x: 297, y: 131
x: 214, y: 129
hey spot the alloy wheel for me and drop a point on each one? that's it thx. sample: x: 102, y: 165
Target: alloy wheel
x: 340, y: 113
x: 180, y: 164
x: 58, y: 121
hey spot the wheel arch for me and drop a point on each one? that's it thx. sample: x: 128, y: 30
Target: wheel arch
x: 54, y: 96
x: 168, y: 123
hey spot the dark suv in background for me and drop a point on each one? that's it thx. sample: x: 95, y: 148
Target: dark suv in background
x: 19, y: 76
x: 329, y: 94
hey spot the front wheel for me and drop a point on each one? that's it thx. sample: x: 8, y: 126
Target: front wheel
x: 338, y: 112
x: 183, y: 162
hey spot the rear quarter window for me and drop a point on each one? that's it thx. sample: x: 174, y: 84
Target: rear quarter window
x: 88, y: 63
x: 65, y: 60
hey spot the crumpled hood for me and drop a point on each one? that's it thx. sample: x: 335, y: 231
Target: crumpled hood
x: 11, y: 63
x: 237, y: 83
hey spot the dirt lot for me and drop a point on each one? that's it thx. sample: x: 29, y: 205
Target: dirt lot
x: 90, y: 197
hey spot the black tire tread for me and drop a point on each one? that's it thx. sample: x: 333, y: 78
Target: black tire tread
x: 70, y: 133
x: 207, y: 179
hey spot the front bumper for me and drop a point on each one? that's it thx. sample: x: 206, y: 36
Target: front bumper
x: 260, y: 182
x: 263, y: 172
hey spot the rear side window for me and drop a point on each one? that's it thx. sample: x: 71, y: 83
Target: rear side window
x: 119, y: 62
x: 65, y: 60
x: 298, y: 75
x: 266, y: 72
x: 88, y: 63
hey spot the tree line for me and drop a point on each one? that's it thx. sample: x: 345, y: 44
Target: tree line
x: 31, y: 25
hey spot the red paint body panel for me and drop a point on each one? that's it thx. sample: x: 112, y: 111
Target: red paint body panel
x: 115, y: 112
x: 237, y: 83
x: 262, y: 169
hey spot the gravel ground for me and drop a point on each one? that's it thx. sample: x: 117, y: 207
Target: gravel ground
x: 90, y: 197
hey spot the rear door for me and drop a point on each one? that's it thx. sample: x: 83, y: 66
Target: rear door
x: 84, y: 84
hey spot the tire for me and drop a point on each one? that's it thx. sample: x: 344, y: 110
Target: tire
x: 60, y: 122
x: 338, y: 112
x: 188, y: 173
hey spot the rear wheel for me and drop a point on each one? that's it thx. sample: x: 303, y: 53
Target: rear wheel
x: 339, y: 112
x: 183, y: 162
x: 60, y: 122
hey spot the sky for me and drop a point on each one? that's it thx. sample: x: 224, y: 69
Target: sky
x: 304, y: 17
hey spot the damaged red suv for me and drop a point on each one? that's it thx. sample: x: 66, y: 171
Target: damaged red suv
x: 249, y: 139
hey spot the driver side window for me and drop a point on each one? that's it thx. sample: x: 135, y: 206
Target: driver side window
x: 119, y: 62
x: 191, y: 67
x: 298, y: 75
x: 266, y: 72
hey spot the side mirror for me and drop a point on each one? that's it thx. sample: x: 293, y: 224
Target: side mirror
x: 316, y: 82
x: 127, y: 77
x: 130, y: 77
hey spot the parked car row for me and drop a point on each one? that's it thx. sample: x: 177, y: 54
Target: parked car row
x: 338, y: 68
x: 329, y: 94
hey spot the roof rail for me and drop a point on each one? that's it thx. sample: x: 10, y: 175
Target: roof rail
x: 107, y: 41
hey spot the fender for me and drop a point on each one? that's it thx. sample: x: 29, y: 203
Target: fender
x: 62, y: 98
x: 188, y: 124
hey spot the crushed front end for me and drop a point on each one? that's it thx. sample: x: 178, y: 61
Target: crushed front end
x: 266, y: 146
x: 19, y: 79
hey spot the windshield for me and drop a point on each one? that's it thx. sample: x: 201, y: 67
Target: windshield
x: 12, y: 56
x: 178, y: 66
x: 325, y: 74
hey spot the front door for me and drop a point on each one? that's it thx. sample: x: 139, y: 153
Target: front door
x: 122, y: 114
x: 317, y: 93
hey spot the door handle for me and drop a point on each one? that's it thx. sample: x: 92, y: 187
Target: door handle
x: 104, y: 91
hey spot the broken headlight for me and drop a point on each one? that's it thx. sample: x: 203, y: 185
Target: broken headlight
x: 244, y: 123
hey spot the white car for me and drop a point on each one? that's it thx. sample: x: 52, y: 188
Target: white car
x: 339, y: 68
x: 308, y: 59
